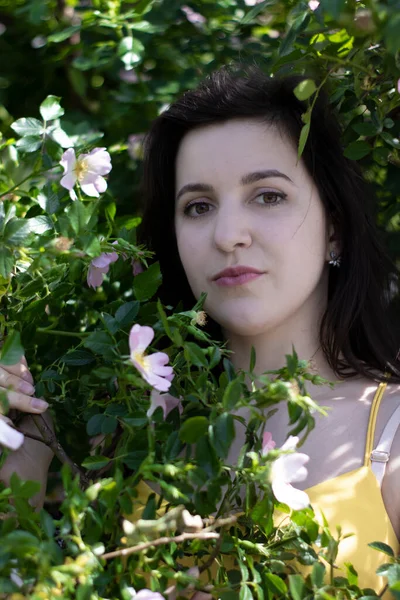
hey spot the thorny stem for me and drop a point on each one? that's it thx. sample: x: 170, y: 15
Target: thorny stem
x: 200, y: 535
x: 51, y: 441
x: 63, y: 333
x: 206, y: 534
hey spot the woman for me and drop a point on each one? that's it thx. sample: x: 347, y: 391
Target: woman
x: 288, y: 256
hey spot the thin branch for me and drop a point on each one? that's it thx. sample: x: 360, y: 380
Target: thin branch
x: 51, y: 441
x: 200, y: 535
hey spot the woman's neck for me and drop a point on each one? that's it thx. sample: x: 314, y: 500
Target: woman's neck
x: 272, y: 346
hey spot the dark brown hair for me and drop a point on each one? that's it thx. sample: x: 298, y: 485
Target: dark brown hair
x: 358, y: 333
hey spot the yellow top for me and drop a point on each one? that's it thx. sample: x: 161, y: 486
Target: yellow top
x: 352, y: 500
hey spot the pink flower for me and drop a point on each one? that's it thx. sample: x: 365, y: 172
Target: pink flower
x: 288, y: 468
x: 87, y: 170
x: 152, y: 367
x: 193, y: 17
x: 9, y: 437
x: 398, y: 86
x: 136, y: 267
x: 99, y: 267
x: 267, y: 443
x: 166, y: 401
x: 313, y: 4
x: 148, y: 595
x: 135, y: 146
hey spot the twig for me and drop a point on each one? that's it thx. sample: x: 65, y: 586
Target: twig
x: 200, y: 535
x: 206, y: 565
x: 50, y: 440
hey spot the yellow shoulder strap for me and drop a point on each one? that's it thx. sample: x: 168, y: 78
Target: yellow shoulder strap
x: 376, y: 402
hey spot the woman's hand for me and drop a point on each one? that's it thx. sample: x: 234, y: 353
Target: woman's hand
x: 30, y: 459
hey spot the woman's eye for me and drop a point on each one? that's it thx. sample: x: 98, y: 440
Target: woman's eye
x: 197, y: 209
x: 271, y: 198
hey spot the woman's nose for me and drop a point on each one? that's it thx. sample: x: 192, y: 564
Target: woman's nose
x: 231, y: 231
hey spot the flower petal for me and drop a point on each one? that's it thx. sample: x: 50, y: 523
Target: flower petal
x: 104, y: 260
x: 89, y: 189
x: 267, y: 442
x: 68, y: 160
x: 68, y: 181
x: 291, y: 443
x: 159, y: 383
x: 290, y: 467
x: 94, y: 277
x: 156, y: 400
x: 286, y: 493
x: 140, y: 337
x: 100, y: 184
x: 146, y: 594
x: 9, y: 437
x: 98, y: 161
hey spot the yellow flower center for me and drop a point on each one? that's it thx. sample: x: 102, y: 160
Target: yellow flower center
x: 141, y: 359
x: 81, y: 168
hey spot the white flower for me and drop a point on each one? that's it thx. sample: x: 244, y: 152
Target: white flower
x: 153, y: 367
x: 87, y: 170
x: 287, y: 469
x: 9, y: 437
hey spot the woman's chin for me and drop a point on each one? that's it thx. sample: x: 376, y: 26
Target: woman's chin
x: 241, y: 324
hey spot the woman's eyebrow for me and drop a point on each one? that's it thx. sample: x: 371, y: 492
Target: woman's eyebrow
x: 257, y: 175
x: 245, y: 180
x: 194, y: 187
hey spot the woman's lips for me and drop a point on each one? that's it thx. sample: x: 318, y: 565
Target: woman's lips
x: 228, y: 281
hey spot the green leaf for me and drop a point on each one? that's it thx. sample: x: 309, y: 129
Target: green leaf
x: 93, y: 426
x: 357, y: 150
x: 126, y: 314
x: 147, y: 283
x: 382, y: 548
x: 193, y: 429
x: 245, y: 593
x: 17, y: 230
x: 296, y: 586
x: 232, y: 394
x: 333, y: 7
x: 95, y: 462
x: 61, y: 36
x: 50, y: 108
x: 223, y: 434
x: 59, y: 136
x: 6, y: 262
x: 366, y: 129
x: 255, y: 11
x: 305, y: 89
x: 351, y: 573
x: 305, y: 130
x: 47, y: 523
x: 275, y: 584
x: 130, y: 51
x: 28, y: 127
x: 100, y: 342
x: 195, y: 355
x: 77, y: 358
x: 253, y: 359
x: 29, y: 143
x: 12, y: 350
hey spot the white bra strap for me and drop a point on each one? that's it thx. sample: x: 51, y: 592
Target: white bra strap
x: 380, y: 456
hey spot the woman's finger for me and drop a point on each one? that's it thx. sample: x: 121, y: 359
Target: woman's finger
x: 20, y: 369
x: 10, y: 437
x: 7, y: 380
x: 26, y: 403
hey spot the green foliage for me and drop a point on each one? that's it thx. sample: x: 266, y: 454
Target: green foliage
x: 88, y: 74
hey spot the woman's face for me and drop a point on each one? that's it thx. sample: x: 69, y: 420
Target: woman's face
x: 243, y: 200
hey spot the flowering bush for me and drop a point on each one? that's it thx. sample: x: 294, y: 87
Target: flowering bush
x: 79, y: 298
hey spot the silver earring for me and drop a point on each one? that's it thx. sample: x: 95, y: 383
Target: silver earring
x: 335, y: 259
